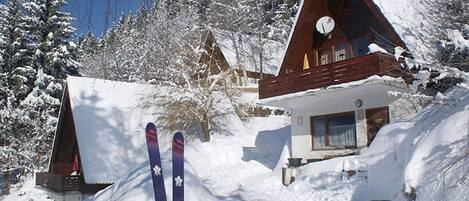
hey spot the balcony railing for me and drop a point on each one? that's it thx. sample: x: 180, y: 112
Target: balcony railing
x: 63, y: 184
x: 353, y: 69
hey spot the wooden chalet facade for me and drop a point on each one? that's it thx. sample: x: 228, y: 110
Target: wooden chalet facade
x: 340, y: 57
x: 215, y: 59
x: 334, y: 85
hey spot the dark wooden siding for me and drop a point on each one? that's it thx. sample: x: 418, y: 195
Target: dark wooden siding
x: 353, y: 18
x: 65, y: 146
x: 336, y: 73
x: 63, y: 184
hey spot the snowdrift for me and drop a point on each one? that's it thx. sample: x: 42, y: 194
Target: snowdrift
x: 217, y: 170
x: 425, y: 157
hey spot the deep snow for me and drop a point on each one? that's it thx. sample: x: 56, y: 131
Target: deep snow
x: 427, y: 152
x: 216, y: 170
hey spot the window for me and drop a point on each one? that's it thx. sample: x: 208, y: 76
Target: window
x: 341, y: 52
x: 360, y: 46
x: 324, y: 56
x: 337, y: 130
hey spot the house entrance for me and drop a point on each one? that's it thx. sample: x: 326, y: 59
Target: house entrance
x: 375, y: 119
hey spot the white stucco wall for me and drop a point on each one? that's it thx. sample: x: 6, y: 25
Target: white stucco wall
x: 301, y: 125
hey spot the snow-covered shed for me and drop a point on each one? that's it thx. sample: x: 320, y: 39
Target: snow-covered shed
x: 241, y: 52
x: 100, y: 135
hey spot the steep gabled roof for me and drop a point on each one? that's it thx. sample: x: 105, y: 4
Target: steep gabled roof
x: 414, y: 23
x: 109, y: 124
x: 408, y: 21
x: 241, y: 51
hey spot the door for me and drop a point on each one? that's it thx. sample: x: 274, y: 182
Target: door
x: 324, y: 56
x: 375, y: 119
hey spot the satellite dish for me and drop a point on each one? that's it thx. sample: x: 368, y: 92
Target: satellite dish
x: 325, y: 25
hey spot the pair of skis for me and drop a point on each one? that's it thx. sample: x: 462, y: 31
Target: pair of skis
x: 156, y: 168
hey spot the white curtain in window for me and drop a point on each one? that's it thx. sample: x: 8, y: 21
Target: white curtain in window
x: 342, y: 135
x: 319, y: 138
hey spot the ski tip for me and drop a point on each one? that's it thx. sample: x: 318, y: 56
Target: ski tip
x: 178, y: 135
x: 150, y: 126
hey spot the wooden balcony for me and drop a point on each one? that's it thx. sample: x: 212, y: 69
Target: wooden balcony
x: 63, y: 184
x: 353, y: 69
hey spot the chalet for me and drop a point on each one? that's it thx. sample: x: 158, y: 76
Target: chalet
x: 224, y: 50
x: 98, y: 139
x: 335, y: 76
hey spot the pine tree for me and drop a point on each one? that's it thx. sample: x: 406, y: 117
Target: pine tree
x: 3, y: 14
x: 53, y: 30
x: 17, y: 49
x: 87, y: 43
x: 40, y: 108
x: 282, y: 21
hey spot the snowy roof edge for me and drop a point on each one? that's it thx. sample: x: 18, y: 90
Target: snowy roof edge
x: 57, y: 126
x: 300, y: 8
x: 374, y: 79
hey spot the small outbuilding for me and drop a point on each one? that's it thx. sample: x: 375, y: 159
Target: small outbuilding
x: 99, y: 138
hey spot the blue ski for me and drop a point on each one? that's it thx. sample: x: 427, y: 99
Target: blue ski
x: 155, y: 162
x: 178, y: 167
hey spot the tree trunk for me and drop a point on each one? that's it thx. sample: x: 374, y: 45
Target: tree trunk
x: 261, y: 61
x: 206, y: 128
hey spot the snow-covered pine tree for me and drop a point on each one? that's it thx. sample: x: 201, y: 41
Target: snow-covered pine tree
x: 87, y: 44
x: 3, y: 13
x: 28, y: 126
x: 39, y: 111
x: 282, y: 20
x: 53, y: 30
x: 17, y: 50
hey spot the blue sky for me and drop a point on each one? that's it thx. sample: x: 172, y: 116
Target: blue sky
x: 91, y: 14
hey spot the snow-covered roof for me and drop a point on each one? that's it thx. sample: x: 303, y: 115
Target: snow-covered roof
x: 241, y: 51
x: 109, y: 125
x: 414, y: 23
x: 397, y: 83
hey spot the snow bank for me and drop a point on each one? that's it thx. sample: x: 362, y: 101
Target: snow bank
x: 219, y: 170
x: 424, y: 156
x: 427, y: 154
x: 28, y: 192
